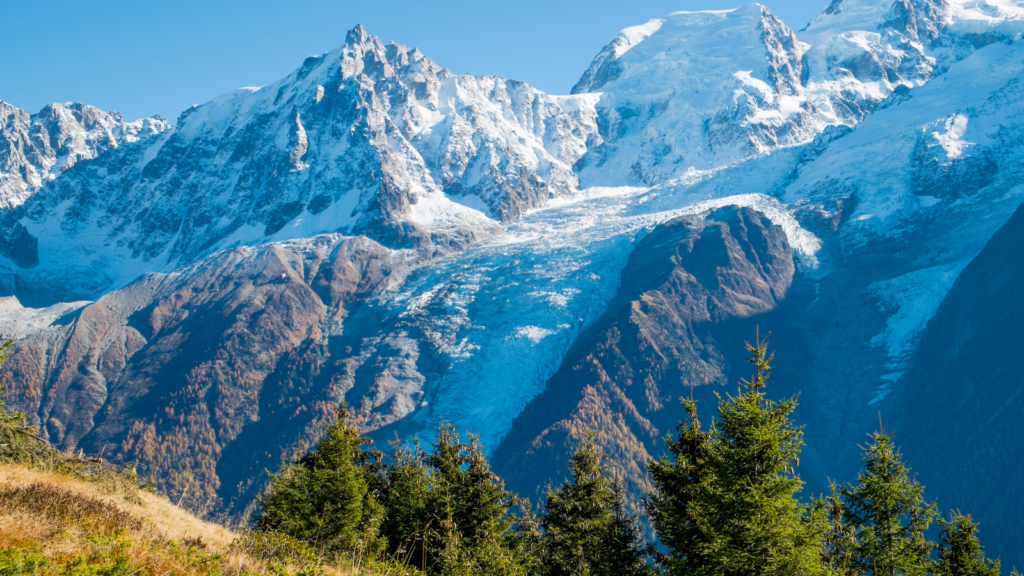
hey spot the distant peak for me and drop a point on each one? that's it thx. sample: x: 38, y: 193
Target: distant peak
x: 683, y: 34
x: 358, y: 36
x: 754, y: 7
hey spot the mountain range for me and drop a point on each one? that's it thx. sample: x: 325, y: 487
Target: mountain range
x: 195, y: 297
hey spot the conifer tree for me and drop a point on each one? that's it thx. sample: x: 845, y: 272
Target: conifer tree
x: 10, y: 421
x: 448, y: 514
x: 18, y: 441
x: 405, y: 486
x: 839, y: 541
x: 5, y: 350
x: 324, y: 497
x: 625, y: 551
x: 587, y: 529
x: 733, y: 489
x: 464, y: 486
x: 888, y: 511
x: 960, y: 553
x: 681, y: 506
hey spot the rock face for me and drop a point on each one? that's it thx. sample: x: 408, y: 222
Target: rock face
x: 431, y: 247
x: 682, y: 291
x: 36, y: 148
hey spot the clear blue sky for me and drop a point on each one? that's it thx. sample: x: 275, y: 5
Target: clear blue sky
x: 144, y: 57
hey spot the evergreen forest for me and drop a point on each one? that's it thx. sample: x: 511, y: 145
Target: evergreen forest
x: 727, y: 500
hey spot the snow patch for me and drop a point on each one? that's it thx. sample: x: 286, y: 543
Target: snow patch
x: 952, y: 140
x: 470, y: 201
x: 636, y: 34
x: 19, y: 321
x: 912, y: 299
x: 533, y: 333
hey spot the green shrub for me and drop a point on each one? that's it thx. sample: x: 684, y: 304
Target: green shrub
x: 279, y: 550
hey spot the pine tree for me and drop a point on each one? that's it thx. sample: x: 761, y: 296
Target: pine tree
x: 733, y: 489
x: 625, y: 551
x: 839, y: 541
x: 405, y: 486
x: 680, y: 507
x: 5, y: 348
x: 324, y: 497
x: 474, y: 513
x: 10, y: 422
x: 756, y: 447
x: 448, y: 514
x: 17, y: 439
x: 586, y: 527
x: 960, y: 553
x: 888, y: 511
x: 20, y: 443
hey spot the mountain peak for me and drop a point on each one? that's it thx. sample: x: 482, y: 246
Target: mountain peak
x: 673, y: 43
x: 358, y: 35
x: 732, y: 76
x: 919, y: 20
x: 36, y: 148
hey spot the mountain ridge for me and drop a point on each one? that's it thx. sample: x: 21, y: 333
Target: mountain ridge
x: 431, y: 247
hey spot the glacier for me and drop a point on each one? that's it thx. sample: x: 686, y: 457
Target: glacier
x: 477, y: 227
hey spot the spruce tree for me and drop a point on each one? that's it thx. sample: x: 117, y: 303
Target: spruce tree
x: 12, y: 424
x: 839, y: 540
x: 5, y: 350
x: 888, y: 511
x: 587, y: 529
x: 405, y: 486
x: 733, y: 489
x: 475, y: 514
x: 624, y: 549
x: 681, y: 505
x: 324, y: 497
x: 960, y: 553
x: 448, y: 514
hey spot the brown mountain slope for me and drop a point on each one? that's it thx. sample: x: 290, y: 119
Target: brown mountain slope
x: 662, y: 337
x: 207, y: 376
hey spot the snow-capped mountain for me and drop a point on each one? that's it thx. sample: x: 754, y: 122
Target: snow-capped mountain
x: 695, y: 91
x: 431, y: 247
x: 36, y: 148
x: 368, y: 139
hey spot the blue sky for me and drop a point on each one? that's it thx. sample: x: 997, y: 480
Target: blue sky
x: 159, y: 57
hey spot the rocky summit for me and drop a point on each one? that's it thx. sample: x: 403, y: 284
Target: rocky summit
x: 430, y: 247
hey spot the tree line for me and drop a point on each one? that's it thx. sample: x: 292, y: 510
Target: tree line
x: 725, y: 502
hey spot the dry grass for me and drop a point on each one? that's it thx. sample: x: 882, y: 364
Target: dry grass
x: 66, y: 514
x: 57, y: 524
x: 155, y: 511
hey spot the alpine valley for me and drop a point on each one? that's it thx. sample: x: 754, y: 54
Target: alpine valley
x: 195, y: 298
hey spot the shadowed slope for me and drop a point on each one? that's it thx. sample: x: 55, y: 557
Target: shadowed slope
x: 624, y: 376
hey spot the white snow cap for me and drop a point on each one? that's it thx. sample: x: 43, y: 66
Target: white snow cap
x: 957, y: 16
x: 649, y: 58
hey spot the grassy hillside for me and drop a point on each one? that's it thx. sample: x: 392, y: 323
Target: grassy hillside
x: 53, y: 523
x: 74, y: 516
x: 56, y: 523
